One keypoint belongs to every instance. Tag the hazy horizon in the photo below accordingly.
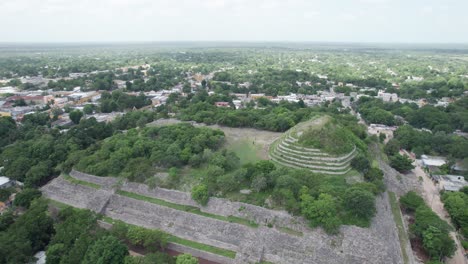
(261, 21)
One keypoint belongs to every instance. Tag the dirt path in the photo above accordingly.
(432, 197)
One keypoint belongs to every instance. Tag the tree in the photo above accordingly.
(360, 203)
(401, 163)
(153, 240)
(107, 249)
(411, 201)
(200, 194)
(322, 211)
(437, 243)
(259, 183)
(88, 109)
(186, 259)
(25, 197)
(75, 116)
(392, 147)
(360, 163)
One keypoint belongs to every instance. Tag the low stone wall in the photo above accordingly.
(103, 181)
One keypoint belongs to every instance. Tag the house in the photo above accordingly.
(452, 183)
(432, 161)
(460, 167)
(387, 97)
(222, 104)
(5, 182)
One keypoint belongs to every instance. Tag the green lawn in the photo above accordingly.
(203, 247)
(76, 181)
(187, 208)
(188, 243)
(246, 150)
(397, 217)
(58, 204)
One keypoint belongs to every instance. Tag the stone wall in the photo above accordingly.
(377, 244)
(218, 206)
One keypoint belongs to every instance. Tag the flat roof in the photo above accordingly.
(4, 180)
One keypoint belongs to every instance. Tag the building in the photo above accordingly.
(222, 104)
(432, 161)
(5, 182)
(451, 183)
(387, 97)
(460, 167)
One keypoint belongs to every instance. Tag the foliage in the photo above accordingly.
(152, 258)
(186, 259)
(439, 143)
(322, 211)
(30, 233)
(332, 137)
(134, 154)
(152, 240)
(119, 101)
(200, 194)
(75, 116)
(360, 202)
(401, 163)
(456, 204)
(26, 196)
(429, 228)
(411, 201)
(107, 249)
(437, 243)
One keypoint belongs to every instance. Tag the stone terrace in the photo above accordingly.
(378, 244)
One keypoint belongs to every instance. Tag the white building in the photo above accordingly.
(432, 161)
(5, 182)
(388, 97)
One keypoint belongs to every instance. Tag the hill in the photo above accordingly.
(322, 145)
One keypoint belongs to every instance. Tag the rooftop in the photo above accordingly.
(4, 180)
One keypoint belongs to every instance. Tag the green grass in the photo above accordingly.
(76, 181)
(188, 208)
(397, 217)
(215, 250)
(189, 243)
(245, 150)
(58, 204)
(290, 231)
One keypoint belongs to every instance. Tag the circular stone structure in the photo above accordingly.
(288, 151)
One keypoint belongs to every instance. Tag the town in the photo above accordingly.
(142, 153)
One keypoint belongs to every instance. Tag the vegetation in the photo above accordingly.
(398, 218)
(429, 229)
(200, 194)
(22, 236)
(134, 154)
(456, 204)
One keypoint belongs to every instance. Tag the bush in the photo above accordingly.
(186, 259)
(411, 201)
(360, 202)
(200, 194)
(25, 197)
(401, 163)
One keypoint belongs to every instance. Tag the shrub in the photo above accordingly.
(411, 201)
(200, 194)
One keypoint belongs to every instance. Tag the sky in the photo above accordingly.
(401, 21)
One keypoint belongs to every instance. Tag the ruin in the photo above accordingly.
(377, 244)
